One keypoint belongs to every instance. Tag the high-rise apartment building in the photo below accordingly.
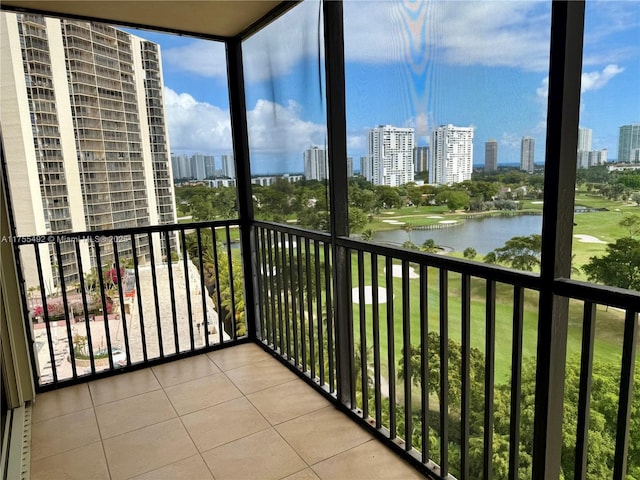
(390, 153)
(584, 139)
(451, 155)
(181, 165)
(629, 143)
(490, 155)
(315, 164)
(527, 151)
(421, 159)
(228, 166)
(87, 146)
(349, 167)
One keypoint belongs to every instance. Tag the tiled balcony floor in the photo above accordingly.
(231, 414)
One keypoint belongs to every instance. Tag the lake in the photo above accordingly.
(483, 234)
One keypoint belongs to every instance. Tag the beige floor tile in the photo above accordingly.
(64, 433)
(131, 413)
(192, 468)
(83, 463)
(264, 455)
(371, 460)
(147, 449)
(287, 401)
(239, 356)
(260, 375)
(201, 393)
(322, 434)
(223, 423)
(306, 474)
(60, 402)
(184, 370)
(123, 386)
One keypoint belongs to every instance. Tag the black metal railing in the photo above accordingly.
(130, 297)
(441, 361)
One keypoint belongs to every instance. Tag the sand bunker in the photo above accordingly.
(393, 222)
(538, 202)
(434, 216)
(368, 295)
(448, 221)
(397, 272)
(588, 239)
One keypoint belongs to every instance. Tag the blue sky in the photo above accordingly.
(481, 64)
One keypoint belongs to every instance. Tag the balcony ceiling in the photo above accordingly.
(215, 18)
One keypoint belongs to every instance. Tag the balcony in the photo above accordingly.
(198, 418)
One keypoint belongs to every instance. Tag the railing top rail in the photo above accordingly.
(475, 269)
(312, 235)
(600, 294)
(96, 234)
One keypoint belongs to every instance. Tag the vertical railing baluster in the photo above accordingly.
(293, 240)
(203, 288)
(316, 251)
(285, 240)
(312, 350)
(303, 339)
(391, 349)
(363, 336)
(277, 243)
(45, 313)
(85, 306)
(584, 399)
(327, 279)
(105, 314)
(489, 378)
(143, 337)
(516, 381)
(65, 305)
(232, 291)
(466, 375)
(216, 269)
(629, 344)
(265, 303)
(375, 310)
(125, 332)
(185, 266)
(154, 280)
(272, 289)
(174, 318)
(444, 373)
(406, 347)
(424, 359)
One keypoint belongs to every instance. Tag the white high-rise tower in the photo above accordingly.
(451, 159)
(82, 106)
(390, 156)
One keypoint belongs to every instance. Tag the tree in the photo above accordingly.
(409, 245)
(522, 253)
(490, 258)
(454, 199)
(620, 267)
(470, 253)
(632, 223)
(408, 228)
(429, 246)
(357, 220)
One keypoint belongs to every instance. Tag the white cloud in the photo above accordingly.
(511, 34)
(202, 57)
(415, 34)
(194, 125)
(596, 80)
(274, 128)
(590, 81)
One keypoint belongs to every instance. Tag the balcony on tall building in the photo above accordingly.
(247, 348)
